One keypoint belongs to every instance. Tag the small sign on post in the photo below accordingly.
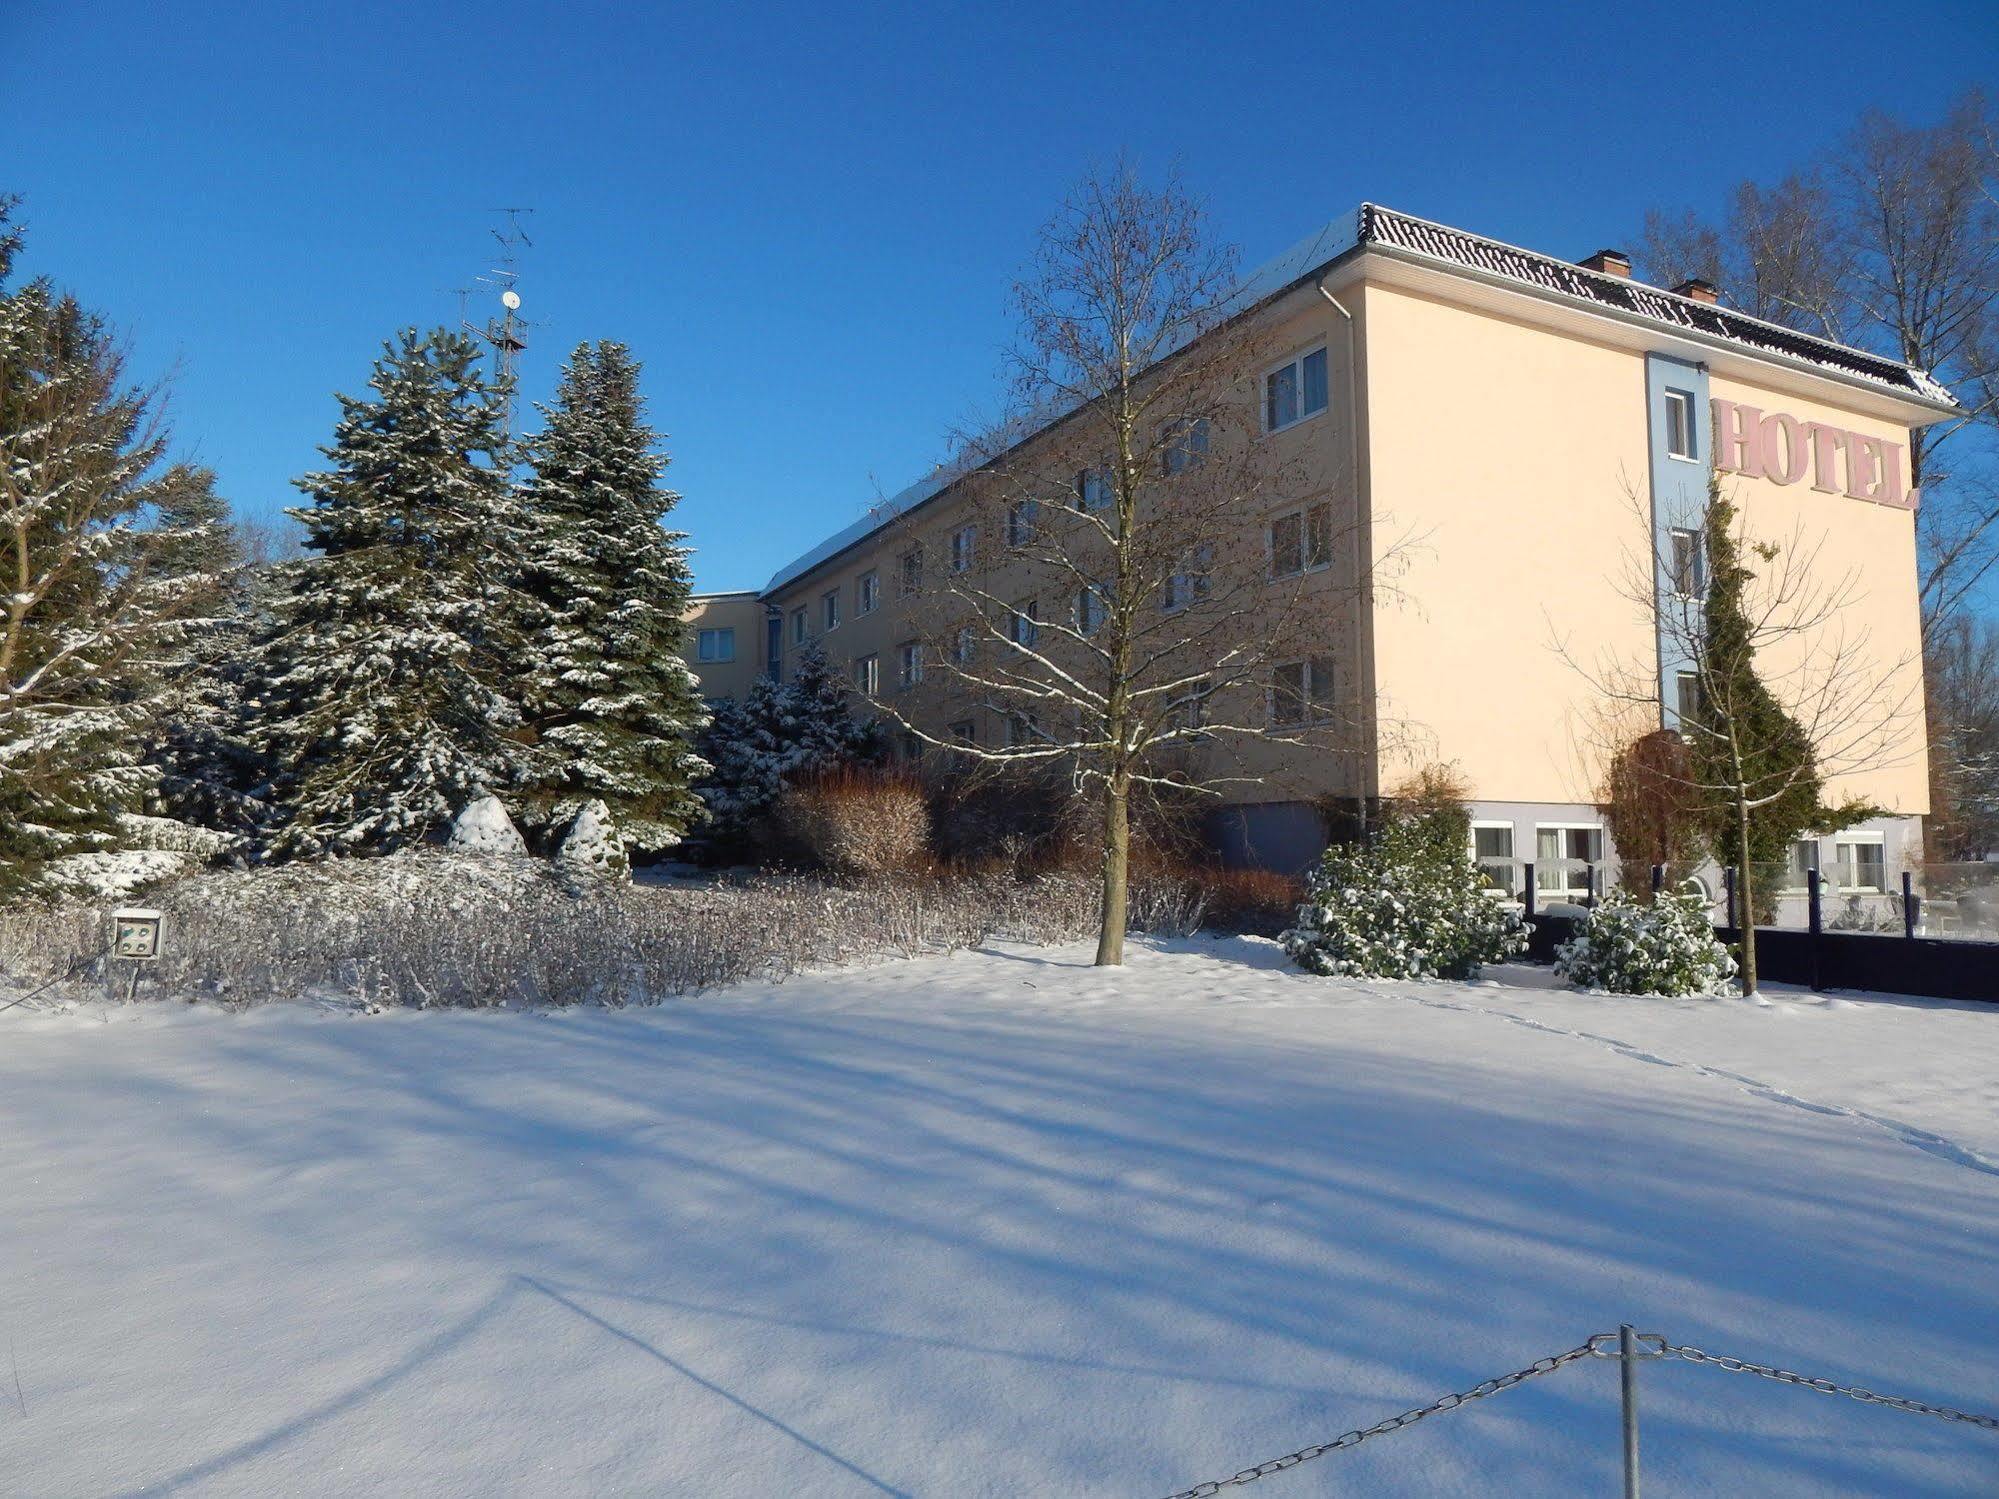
(135, 939)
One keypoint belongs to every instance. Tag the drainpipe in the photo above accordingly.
(1353, 454)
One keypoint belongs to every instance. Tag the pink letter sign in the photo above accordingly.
(1780, 448)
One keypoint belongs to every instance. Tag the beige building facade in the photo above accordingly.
(1504, 441)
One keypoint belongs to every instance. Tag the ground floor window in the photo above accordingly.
(1492, 850)
(1861, 860)
(1565, 855)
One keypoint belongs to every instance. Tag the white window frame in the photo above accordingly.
(1860, 839)
(1023, 522)
(909, 572)
(868, 675)
(1091, 610)
(1177, 455)
(1681, 681)
(1683, 402)
(1697, 557)
(965, 730)
(1315, 709)
(800, 626)
(1193, 582)
(867, 592)
(1803, 886)
(720, 636)
(909, 664)
(964, 645)
(1296, 363)
(829, 610)
(1094, 491)
(1023, 625)
(964, 548)
(1303, 514)
(1567, 891)
(1512, 856)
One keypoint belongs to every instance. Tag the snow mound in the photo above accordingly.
(483, 827)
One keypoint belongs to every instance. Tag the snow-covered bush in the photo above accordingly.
(1408, 903)
(482, 826)
(1667, 947)
(858, 822)
(591, 853)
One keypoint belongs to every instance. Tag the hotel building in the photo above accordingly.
(1530, 420)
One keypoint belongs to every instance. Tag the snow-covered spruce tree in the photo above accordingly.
(383, 697)
(92, 619)
(608, 700)
(779, 733)
(1407, 903)
(205, 772)
(1664, 946)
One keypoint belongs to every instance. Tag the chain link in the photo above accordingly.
(1649, 1345)
(1827, 1387)
(1354, 1438)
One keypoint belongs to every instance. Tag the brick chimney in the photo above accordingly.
(1698, 290)
(1609, 262)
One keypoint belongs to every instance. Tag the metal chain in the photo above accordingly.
(1827, 1387)
(1340, 1443)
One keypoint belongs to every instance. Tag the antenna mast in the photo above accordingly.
(506, 332)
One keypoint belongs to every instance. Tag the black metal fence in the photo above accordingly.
(1885, 962)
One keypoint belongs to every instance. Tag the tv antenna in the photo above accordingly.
(505, 333)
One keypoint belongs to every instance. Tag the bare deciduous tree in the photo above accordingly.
(1103, 597)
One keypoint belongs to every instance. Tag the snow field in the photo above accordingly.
(992, 1224)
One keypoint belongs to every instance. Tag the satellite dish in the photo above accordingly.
(510, 300)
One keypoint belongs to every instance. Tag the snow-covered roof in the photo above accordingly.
(1372, 225)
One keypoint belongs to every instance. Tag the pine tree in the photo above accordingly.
(96, 614)
(611, 705)
(381, 666)
(779, 733)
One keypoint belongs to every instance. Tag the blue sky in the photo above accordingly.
(804, 220)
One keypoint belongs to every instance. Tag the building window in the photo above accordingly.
(1492, 851)
(1687, 696)
(1024, 625)
(1191, 582)
(868, 675)
(1301, 541)
(1803, 859)
(829, 609)
(1679, 424)
(798, 627)
(1861, 860)
(1189, 715)
(1093, 490)
(1185, 443)
(1301, 692)
(909, 571)
(867, 593)
(1090, 609)
(774, 645)
(1294, 391)
(965, 731)
(909, 663)
(1686, 563)
(964, 645)
(1021, 729)
(964, 544)
(1566, 856)
(1023, 519)
(715, 645)
(912, 745)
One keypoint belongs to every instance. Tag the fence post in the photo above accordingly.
(1658, 878)
(1728, 880)
(1912, 905)
(1589, 884)
(1527, 895)
(1627, 1352)
(1814, 912)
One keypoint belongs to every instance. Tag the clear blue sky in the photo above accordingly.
(804, 219)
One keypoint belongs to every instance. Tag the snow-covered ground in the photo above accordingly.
(993, 1224)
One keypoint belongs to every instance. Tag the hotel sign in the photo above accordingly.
(1778, 447)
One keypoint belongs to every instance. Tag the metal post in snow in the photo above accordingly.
(1627, 1353)
(1658, 878)
(1528, 893)
(1589, 884)
(1728, 879)
(1912, 905)
(1814, 913)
